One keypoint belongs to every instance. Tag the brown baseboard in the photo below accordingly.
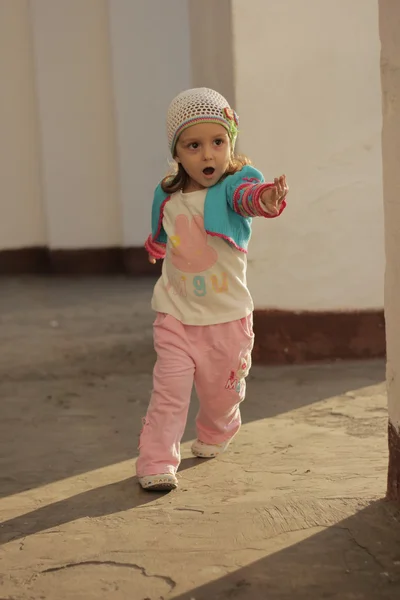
(24, 261)
(86, 261)
(285, 337)
(282, 337)
(136, 263)
(393, 488)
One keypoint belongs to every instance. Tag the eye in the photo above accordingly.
(218, 142)
(193, 145)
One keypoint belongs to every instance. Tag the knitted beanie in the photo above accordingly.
(199, 105)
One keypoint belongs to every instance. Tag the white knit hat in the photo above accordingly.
(199, 105)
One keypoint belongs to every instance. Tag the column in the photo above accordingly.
(74, 88)
(22, 222)
(308, 95)
(212, 46)
(389, 17)
(150, 65)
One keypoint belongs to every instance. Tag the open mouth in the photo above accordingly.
(209, 171)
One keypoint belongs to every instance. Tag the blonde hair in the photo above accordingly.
(177, 179)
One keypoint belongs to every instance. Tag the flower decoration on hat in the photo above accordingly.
(231, 115)
(233, 122)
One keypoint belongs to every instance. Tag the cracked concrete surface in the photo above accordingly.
(295, 509)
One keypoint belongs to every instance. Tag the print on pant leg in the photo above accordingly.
(236, 380)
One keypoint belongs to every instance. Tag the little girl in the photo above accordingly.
(203, 333)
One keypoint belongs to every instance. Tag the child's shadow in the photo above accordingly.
(98, 502)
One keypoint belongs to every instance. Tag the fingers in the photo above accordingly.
(284, 185)
(281, 186)
(273, 199)
(152, 260)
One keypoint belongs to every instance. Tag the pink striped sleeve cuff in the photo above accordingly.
(155, 249)
(247, 200)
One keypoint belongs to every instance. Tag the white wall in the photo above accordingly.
(78, 141)
(308, 95)
(22, 221)
(151, 64)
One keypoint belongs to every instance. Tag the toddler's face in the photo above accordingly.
(204, 151)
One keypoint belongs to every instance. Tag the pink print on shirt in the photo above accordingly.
(191, 252)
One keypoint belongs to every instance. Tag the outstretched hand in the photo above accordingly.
(273, 197)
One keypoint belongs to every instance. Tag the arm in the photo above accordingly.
(273, 199)
(252, 197)
(156, 250)
(156, 242)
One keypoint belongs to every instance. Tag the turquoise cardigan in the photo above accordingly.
(220, 218)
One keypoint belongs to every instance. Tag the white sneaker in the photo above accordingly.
(164, 482)
(202, 450)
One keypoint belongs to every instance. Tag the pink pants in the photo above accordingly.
(216, 358)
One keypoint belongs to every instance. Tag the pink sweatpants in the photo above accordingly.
(216, 359)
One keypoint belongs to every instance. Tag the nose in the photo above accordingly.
(207, 152)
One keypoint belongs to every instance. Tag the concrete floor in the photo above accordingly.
(294, 510)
